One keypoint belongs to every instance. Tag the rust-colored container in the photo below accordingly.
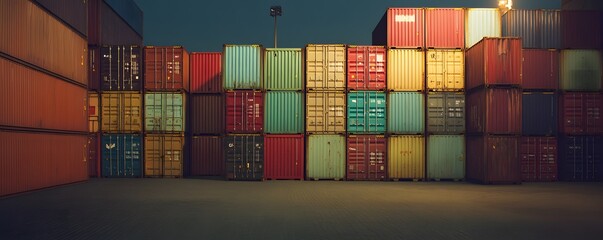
(74, 13)
(367, 67)
(244, 111)
(207, 114)
(493, 159)
(493, 61)
(284, 157)
(94, 144)
(581, 113)
(367, 157)
(494, 111)
(581, 29)
(166, 68)
(538, 159)
(401, 28)
(540, 70)
(207, 156)
(39, 160)
(33, 99)
(206, 72)
(163, 155)
(105, 26)
(445, 28)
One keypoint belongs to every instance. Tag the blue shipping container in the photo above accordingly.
(121, 155)
(537, 28)
(366, 112)
(539, 114)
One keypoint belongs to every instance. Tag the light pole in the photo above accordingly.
(274, 12)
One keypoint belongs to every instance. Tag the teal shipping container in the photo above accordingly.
(242, 67)
(283, 69)
(581, 70)
(284, 112)
(446, 157)
(164, 112)
(366, 112)
(325, 157)
(406, 113)
(121, 155)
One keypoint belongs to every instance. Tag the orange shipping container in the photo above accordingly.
(166, 68)
(163, 155)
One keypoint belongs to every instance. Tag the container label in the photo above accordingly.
(405, 18)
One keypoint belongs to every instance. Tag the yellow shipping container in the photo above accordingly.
(406, 157)
(325, 112)
(405, 69)
(121, 112)
(93, 116)
(326, 67)
(163, 155)
(445, 69)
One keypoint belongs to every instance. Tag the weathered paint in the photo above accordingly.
(164, 112)
(406, 113)
(405, 70)
(446, 157)
(494, 111)
(242, 67)
(540, 70)
(581, 70)
(325, 157)
(325, 67)
(284, 156)
(493, 159)
(480, 23)
(244, 156)
(538, 159)
(366, 157)
(537, 28)
(121, 155)
(325, 112)
(121, 112)
(446, 113)
(366, 112)
(163, 155)
(445, 70)
(406, 157)
(493, 61)
(283, 69)
(284, 112)
(367, 68)
(444, 28)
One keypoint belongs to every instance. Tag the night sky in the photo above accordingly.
(201, 25)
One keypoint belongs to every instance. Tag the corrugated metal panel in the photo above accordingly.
(406, 157)
(538, 156)
(105, 26)
(121, 68)
(540, 69)
(446, 113)
(206, 72)
(493, 159)
(494, 111)
(73, 13)
(539, 113)
(366, 112)
(446, 157)
(406, 113)
(581, 70)
(401, 28)
(38, 38)
(244, 157)
(550, 29)
(93, 112)
(325, 112)
(493, 61)
(94, 152)
(581, 113)
(480, 23)
(283, 69)
(244, 112)
(444, 28)
(405, 70)
(94, 57)
(325, 67)
(525, 24)
(121, 155)
(326, 157)
(163, 155)
(285, 156)
(121, 112)
(367, 157)
(39, 160)
(582, 29)
(242, 68)
(166, 68)
(207, 156)
(366, 68)
(581, 158)
(445, 70)
(164, 112)
(129, 11)
(207, 114)
(284, 112)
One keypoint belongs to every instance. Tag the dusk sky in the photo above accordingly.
(201, 25)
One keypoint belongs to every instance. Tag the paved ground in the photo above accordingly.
(210, 209)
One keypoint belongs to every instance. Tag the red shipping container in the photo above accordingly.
(493, 159)
(581, 113)
(207, 114)
(166, 68)
(367, 157)
(494, 111)
(284, 157)
(493, 61)
(207, 156)
(206, 72)
(106, 27)
(39, 160)
(445, 27)
(581, 29)
(540, 70)
(401, 28)
(94, 155)
(538, 159)
(244, 111)
(366, 68)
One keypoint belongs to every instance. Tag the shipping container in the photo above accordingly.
(539, 113)
(244, 111)
(164, 112)
(163, 155)
(121, 112)
(445, 70)
(283, 69)
(540, 70)
(93, 112)
(325, 112)
(538, 159)
(121, 68)
(445, 28)
(34, 99)
(38, 160)
(406, 157)
(581, 113)
(244, 156)
(325, 157)
(582, 29)
(493, 61)
(72, 13)
(581, 158)
(446, 157)
(581, 70)
(242, 67)
(129, 11)
(39, 39)
(94, 61)
(480, 23)
(325, 67)
(121, 155)
(94, 155)
(207, 114)
(406, 113)
(366, 112)
(207, 156)
(550, 29)
(493, 159)
(405, 70)
(536, 28)
(285, 155)
(494, 111)
(367, 157)
(206, 72)
(401, 28)
(108, 25)
(284, 113)
(367, 68)
(446, 113)
(166, 68)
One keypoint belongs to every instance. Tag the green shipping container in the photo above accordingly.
(164, 112)
(242, 67)
(366, 112)
(283, 69)
(284, 112)
(326, 157)
(581, 70)
(406, 113)
(446, 157)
